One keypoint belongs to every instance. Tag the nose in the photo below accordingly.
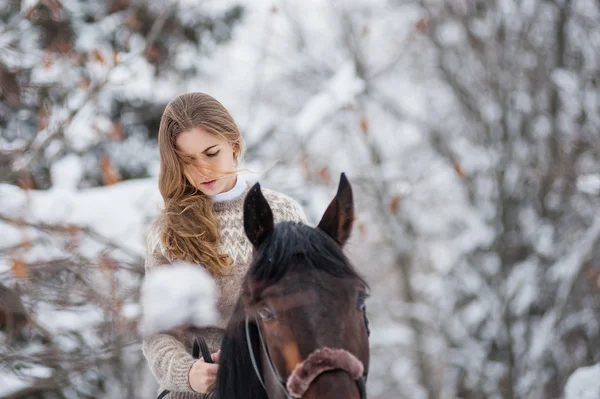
(204, 170)
(334, 384)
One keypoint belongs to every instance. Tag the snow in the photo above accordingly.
(451, 34)
(291, 67)
(60, 321)
(11, 383)
(181, 293)
(391, 335)
(93, 208)
(26, 5)
(543, 336)
(566, 268)
(339, 91)
(522, 286)
(584, 383)
(66, 172)
(566, 80)
(589, 184)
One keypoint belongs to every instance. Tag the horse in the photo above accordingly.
(299, 328)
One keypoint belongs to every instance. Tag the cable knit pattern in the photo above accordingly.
(169, 358)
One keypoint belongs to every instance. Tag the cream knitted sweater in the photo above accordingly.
(169, 356)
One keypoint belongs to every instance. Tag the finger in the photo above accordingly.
(216, 356)
(211, 369)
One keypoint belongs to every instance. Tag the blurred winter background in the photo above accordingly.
(468, 128)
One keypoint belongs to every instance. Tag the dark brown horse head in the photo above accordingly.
(301, 315)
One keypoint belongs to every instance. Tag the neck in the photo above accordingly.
(232, 197)
(231, 182)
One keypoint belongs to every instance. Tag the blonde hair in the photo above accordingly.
(188, 225)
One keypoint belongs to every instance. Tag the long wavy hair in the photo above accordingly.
(188, 225)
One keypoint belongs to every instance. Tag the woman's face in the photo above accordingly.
(209, 157)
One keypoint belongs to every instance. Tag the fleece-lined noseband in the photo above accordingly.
(321, 360)
(318, 362)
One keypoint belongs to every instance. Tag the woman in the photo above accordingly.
(202, 222)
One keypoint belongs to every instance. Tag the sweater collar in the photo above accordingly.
(233, 198)
(237, 190)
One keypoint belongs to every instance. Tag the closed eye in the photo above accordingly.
(214, 154)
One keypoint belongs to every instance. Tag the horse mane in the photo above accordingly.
(290, 247)
(236, 378)
(294, 247)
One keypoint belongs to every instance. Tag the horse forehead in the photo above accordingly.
(307, 299)
(294, 299)
(313, 283)
(314, 277)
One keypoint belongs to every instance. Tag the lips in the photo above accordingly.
(208, 184)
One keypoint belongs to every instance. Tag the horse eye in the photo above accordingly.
(360, 301)
(266, 314)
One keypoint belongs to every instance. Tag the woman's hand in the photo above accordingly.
(202, 375)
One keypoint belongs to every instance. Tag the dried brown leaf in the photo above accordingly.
(19, 268)
(395, 204)
(110, 175)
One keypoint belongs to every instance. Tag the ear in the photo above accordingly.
(258, 217)
(337, 219)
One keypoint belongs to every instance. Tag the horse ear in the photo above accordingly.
(258, 217)
(339, 216)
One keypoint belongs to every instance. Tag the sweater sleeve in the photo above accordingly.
(169, 362)
(168, 359)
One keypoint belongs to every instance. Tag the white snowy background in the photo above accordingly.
(469, 130)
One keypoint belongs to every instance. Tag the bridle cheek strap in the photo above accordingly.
(321, 360)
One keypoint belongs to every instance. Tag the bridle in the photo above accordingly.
(361, 381)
